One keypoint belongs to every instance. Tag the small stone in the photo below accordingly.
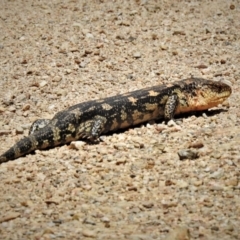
(26, 107)
(161, 127)
(77, 145)
(89, 233)
(77, 25)
(99, 45)
(182, 184)
(125, 23)
(19, 130)
(121, 161)
(105, 219)
(87, 187)
(89, 35)
(187, 154)
(12, 109)
(201, 66)
(55, 200)
(214, 186)
(9, 216)
(207, 203)
(223, 61)
(218, 74)
(154, 36)
(48, 230)
(207, 30)
(168, 204)
(8, 99)
(174, 52)
(137, 55)
(215, 228)
(163, 47)
(83, 64)
(43, 83)
(232, 182)
(169, 183)
(25, 114)
(68, 71)
(179, 32)
(22, 97)
(74, 49)
(197, 183)
(133, 12)
(217, 174)
(2, 109)
(175, 128)
(180, 233)
(57, 79)
(197, 144)
(132, 188)
(206, 151)
(171, 123)
(89, 221)
(120, 146)
(27, 203)
(148, 204)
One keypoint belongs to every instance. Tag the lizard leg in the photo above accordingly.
(98, 126)
(38, 124)
(93, 128)
(171, 106)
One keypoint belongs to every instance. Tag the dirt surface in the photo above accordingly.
(54, 54)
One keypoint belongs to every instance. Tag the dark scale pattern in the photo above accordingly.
(91, 119)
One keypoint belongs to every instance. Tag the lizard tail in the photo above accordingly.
(24, 146)
(40, 139)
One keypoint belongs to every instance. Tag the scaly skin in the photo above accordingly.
(91, 119)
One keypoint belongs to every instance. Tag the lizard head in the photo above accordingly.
(213, 93)
(200, 94)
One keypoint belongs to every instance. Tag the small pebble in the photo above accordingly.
(12, 109)
(105, 219)
(26, 107)
(232, 182)
(137, 55)
(89, 233)
(171, 123)
(77, 145)
(180, 233)
(9, 216)
(19, 130)
(197, 144)
(182, 184)
(187, 154)
(43, 83)
(148, 204)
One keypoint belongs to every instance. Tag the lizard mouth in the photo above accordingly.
(222, 92)
(226, 82)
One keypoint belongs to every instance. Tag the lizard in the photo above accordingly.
(88, 120)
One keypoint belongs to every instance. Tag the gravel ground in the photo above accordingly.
(132, 185)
